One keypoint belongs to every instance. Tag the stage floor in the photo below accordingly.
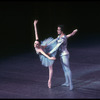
(22, 76)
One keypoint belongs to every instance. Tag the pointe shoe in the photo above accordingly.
(71, 87)
(49, 84)
(65, 84)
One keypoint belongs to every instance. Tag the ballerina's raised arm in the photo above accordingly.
(37, 44)
(36, 35)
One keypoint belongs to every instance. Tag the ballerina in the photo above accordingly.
(42, 50)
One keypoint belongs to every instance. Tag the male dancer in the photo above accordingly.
(64, 54)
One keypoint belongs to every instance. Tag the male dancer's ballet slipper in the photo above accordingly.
(65, 84)
(71, 87)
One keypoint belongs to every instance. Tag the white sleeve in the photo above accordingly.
(57, 46)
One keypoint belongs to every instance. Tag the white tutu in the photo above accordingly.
(44, 60)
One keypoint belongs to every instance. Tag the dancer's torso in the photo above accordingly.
(63, 47)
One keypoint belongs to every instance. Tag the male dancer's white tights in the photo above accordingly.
(67, 72)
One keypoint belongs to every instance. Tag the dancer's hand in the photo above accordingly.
(48, 54)
(52, 58)
(75, 30)
(35, 22)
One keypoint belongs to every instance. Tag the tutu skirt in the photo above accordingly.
(44, 60)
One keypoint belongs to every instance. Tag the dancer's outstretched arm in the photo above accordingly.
(42, 52)
(71, 34)
(35, 28)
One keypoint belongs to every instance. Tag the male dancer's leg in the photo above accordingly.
(65, 74)
(67, 71)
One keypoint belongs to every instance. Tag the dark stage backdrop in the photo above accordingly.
(16, 23)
